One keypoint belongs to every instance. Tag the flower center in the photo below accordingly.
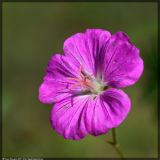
(87, 82)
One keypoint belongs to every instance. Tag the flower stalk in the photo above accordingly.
(115, 144)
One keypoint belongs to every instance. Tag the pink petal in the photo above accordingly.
(56, 83)
(52, 91)
(67, 117)
(122, 64)
(107, 111)
(117, 105)
(85, 48)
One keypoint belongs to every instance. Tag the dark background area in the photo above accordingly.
(32, 32)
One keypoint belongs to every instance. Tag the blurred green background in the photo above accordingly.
(32, 32)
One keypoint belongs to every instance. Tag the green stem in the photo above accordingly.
(115, 143)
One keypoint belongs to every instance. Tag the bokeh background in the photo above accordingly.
(32, 32)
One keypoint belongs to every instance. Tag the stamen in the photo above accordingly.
(72, 78)
(72, 86)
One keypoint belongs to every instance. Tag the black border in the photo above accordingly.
(158, 62)
(1, 78)
(80, 1)
(158, 80)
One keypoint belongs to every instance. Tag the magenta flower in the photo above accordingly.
(84, 83)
